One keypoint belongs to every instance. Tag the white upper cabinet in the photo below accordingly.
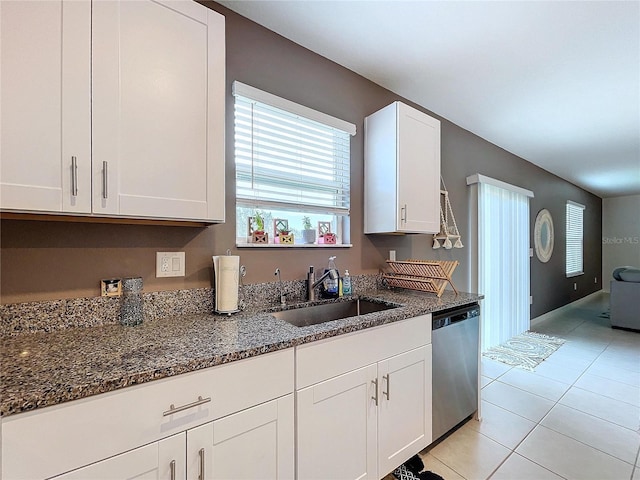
(401, 171)
(45, 98)
(113, 108)
(158, 110)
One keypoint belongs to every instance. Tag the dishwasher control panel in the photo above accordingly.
(449, 317)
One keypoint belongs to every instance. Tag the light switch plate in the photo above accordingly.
(170, 264)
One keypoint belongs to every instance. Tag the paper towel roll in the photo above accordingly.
(227, 273)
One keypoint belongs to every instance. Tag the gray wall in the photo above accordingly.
(620, 235)
(44, 260)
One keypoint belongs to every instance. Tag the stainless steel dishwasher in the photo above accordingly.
(455, 366)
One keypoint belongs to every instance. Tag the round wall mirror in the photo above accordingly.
(543, 235)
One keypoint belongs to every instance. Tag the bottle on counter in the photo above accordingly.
(131, 302)
(330, 287)
(346, 284)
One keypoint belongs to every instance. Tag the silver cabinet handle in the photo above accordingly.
(386, 394)
(375, 384)
(105, 181)
(201, 474)
(172, 469)
(173, 409)
(74, 176)
(403, 214)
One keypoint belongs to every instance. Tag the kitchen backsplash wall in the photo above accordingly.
(51, 315)
(55, 260)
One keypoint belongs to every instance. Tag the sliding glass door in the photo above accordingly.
(503, 260)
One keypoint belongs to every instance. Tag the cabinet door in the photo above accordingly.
(256, 443)
(163, 460)
(418, 171)
(45, 139)
(404, 414)
(199, 452)
(337, 430)
(158, 109)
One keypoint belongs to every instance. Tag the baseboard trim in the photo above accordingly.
(553, 313)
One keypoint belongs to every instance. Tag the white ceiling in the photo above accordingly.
(554, 82)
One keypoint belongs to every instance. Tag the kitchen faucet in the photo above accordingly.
(283, 300)
(312, 283)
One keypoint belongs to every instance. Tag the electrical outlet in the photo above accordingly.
(575, 286)
(595, 280)
(531, 300)
(170, 264)
(392, 255)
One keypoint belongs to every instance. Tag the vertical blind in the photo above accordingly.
(287, 161)
(574, 254)
(503, 251)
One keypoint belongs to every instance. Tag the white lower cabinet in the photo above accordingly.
(364, 423)
(362, 407)
(255, 443)
(232, 421)
(337, 430)
(163, 460)
(404, 412)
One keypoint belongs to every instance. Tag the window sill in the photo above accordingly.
(574, 274)
(295, 245)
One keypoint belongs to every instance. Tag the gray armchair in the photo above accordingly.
(625, 298)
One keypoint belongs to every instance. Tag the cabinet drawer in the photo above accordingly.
(319, 361)
(77, 433)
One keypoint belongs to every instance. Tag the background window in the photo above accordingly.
(575, 213)
(291, 162)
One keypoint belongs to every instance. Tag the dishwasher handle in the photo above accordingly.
(458, 317)
(450, 317)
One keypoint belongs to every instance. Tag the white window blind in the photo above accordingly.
(503, 260)
(575, 213)
(288, 161)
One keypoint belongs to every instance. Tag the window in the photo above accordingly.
(291, 162)
(574, 239)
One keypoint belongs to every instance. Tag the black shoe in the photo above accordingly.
(414, 464)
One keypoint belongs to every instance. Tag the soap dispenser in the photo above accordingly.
(330, 286)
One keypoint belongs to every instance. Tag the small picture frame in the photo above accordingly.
(324, 227)
(111, 287)
(280, 225)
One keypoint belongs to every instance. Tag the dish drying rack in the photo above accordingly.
(425, 276)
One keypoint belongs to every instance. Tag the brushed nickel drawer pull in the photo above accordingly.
(74, 176)
(172, 468)
(387, 393)
(375, 384)
(201, 475)
(173, 409)
(105, 180)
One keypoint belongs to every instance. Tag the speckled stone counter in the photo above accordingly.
(46, 368)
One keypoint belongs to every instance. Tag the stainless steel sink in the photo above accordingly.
(305, 316)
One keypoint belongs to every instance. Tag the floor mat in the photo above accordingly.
(525, 351)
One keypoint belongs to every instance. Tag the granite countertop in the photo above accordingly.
(48, 368)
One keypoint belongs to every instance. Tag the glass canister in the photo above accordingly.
(131, 313)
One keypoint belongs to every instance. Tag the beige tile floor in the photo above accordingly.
(577, 416)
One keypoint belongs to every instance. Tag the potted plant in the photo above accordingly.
(285, 236)
(325, 236)
(259, 235)
(308, 232)
(281, 231)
